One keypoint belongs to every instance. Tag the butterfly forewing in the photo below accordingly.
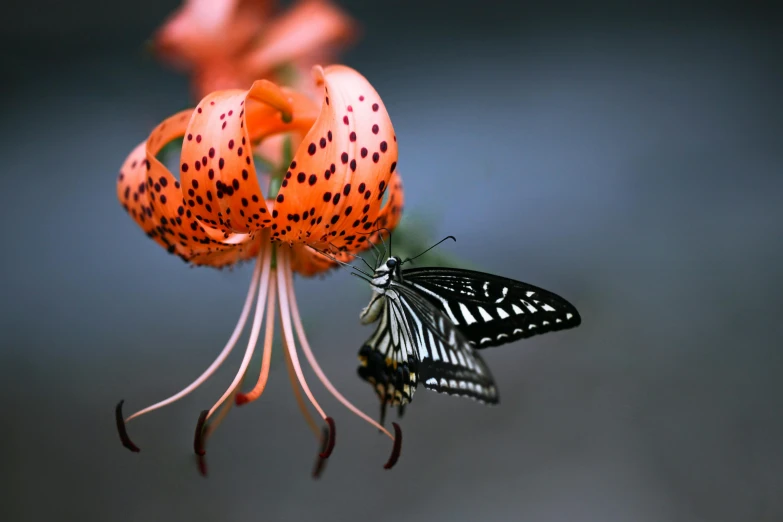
(490, 310)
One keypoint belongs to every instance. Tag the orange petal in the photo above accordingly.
(204, 30)
(308, 262)
(391, 213)
(154, 198)
(308, 28)
(217, 172)
(333, 190)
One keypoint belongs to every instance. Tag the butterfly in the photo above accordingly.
(432, 323)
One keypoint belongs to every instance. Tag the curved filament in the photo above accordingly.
(314, 363)
(220, 358)
(258, 389)
(283, 265)
(254, 332)
(298, 393)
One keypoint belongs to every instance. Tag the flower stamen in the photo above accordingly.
(122, 431)
(283, 266)
(298, 393)
(266, 261)
(327, 445)
(121, 424)
(397, 438)
(266, 358)
(198, 439)
(397, 449)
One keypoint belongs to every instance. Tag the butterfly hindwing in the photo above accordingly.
(388, 361)
(414, 342)
(447, 362)
(491, 310)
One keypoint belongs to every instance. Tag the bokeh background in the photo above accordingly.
(627, 157)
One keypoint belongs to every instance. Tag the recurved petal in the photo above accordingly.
(307, 262)
(217, 172)
(342, 168)
(152, 195)
(391, 213)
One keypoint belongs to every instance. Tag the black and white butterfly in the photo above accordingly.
(433, 321)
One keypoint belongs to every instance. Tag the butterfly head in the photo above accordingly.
(386, 272)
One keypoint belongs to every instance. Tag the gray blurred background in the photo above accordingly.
(628, 158)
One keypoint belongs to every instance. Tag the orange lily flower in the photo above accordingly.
(229, 43)
(330, 205)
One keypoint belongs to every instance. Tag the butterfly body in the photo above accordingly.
(433, 321)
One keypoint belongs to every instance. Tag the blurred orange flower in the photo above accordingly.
(323, 206)
(228, 44)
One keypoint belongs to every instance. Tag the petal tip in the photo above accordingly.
(318, 75)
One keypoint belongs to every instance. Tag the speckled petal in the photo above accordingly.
(342, 168)
(217, 171)
(391, 213)
(155, 197)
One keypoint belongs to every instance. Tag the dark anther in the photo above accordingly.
(320, 462)
(198, 440)
(329, 435)
(122, 431)
(202, 465)
(319, 467)
(397, 447)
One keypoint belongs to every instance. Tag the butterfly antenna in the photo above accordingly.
(360, 258)
(343, 263)
(378, 254)
(430, 248)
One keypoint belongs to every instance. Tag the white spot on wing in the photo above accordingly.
(502, 313)
(469, 319)
(484, 314)
(547, 308)
(517, 310)
(529, 306)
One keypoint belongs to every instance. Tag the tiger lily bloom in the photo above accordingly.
(227, 44)
(339, 190)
